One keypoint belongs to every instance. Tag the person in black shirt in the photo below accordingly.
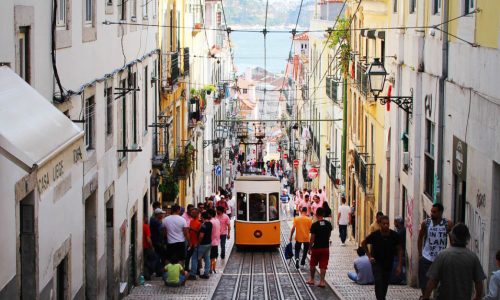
(320, 247)
(385, 245)
(205, 239)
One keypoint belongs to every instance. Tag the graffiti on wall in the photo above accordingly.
(477, 227)
(480, 199)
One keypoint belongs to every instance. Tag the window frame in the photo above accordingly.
(109, 109)
(24, 53)
(133, 10)
(61, 7)
(122, 13)
(244, 215)
(135, 127)
(412, 6)
(123, 111)
(436, 7)
(263, 218)
(468, 6)
(89, 11)
(145, 99)
(89, 123)
(394, 6)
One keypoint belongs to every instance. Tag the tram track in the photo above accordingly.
(257, 274)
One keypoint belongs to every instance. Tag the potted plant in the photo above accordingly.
(184, 162)
(209, 88)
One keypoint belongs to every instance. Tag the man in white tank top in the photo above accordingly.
(432, 239)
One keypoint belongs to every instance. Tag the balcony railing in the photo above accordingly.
(331, 169)
(170, 69)
(332, 88)
(364, 171)
(186, 61)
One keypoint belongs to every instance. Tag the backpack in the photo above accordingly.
(289, 251)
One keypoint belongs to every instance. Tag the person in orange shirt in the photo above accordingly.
(194, 228)
(302, 226)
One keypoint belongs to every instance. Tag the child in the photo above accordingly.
(174, 273)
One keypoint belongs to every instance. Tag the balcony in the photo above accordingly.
(364, 171)
(170, 69)
(186, 61)
(331, 169)
(332, 88)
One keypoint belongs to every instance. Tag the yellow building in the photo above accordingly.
(366, 157)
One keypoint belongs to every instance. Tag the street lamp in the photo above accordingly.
(376, 79)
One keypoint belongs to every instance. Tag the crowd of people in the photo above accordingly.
(184, 244)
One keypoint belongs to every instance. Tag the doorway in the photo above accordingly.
(61, 283)
(110, 250)
(459, 193)
(91, 247)
(133, 250)
(27, 247)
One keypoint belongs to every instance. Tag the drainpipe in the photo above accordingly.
(442, 82)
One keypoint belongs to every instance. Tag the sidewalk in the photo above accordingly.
(199, 289)
(341, 262)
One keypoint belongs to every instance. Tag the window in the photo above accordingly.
(89, 15)
(469, 6)
(145, 8)
(154, 8)
(123, 116)
(412, 6)
(134, 108)
(133, 9)
(123, 9)
(257, 207)
(24, 60)
(61, 13)
(273, 207)
(429, 158)
(89, 123)
(436, 7)
(245, 91)
(241, 206)
(145, 119)
(109, 110)
(109, 2)
(394, 6)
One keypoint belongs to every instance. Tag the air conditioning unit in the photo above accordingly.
(406, 158)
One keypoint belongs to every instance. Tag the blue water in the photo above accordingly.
(249, 50)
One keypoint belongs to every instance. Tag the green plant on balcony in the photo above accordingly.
(168, 185)
(184, 165)
(341, 37)
(209, 88)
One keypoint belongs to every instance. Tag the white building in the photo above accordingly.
(87, 242)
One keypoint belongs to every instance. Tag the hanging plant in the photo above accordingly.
(209, 88)
(168, 185)
(341, 37)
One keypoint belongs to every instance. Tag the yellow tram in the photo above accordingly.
(257, 211)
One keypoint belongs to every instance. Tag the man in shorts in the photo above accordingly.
(177, 232)
(321, 231)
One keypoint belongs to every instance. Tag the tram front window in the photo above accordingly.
(241, 202)
(273, 207)
(257, 207)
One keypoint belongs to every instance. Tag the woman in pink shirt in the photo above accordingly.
(225, 230)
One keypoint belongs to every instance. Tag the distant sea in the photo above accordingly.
(249, 50)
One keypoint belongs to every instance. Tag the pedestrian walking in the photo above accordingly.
(321, 231)
(432, 239)
(225, 230)
(302, 227)
(343, 220)
(456, 270)
(284, 199)
(214, 251)
(385, 245)
(494, 286)
(376, 224)
(205, 244)
(155, 225)
(176, 230)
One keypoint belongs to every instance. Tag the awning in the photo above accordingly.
(32, 130)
